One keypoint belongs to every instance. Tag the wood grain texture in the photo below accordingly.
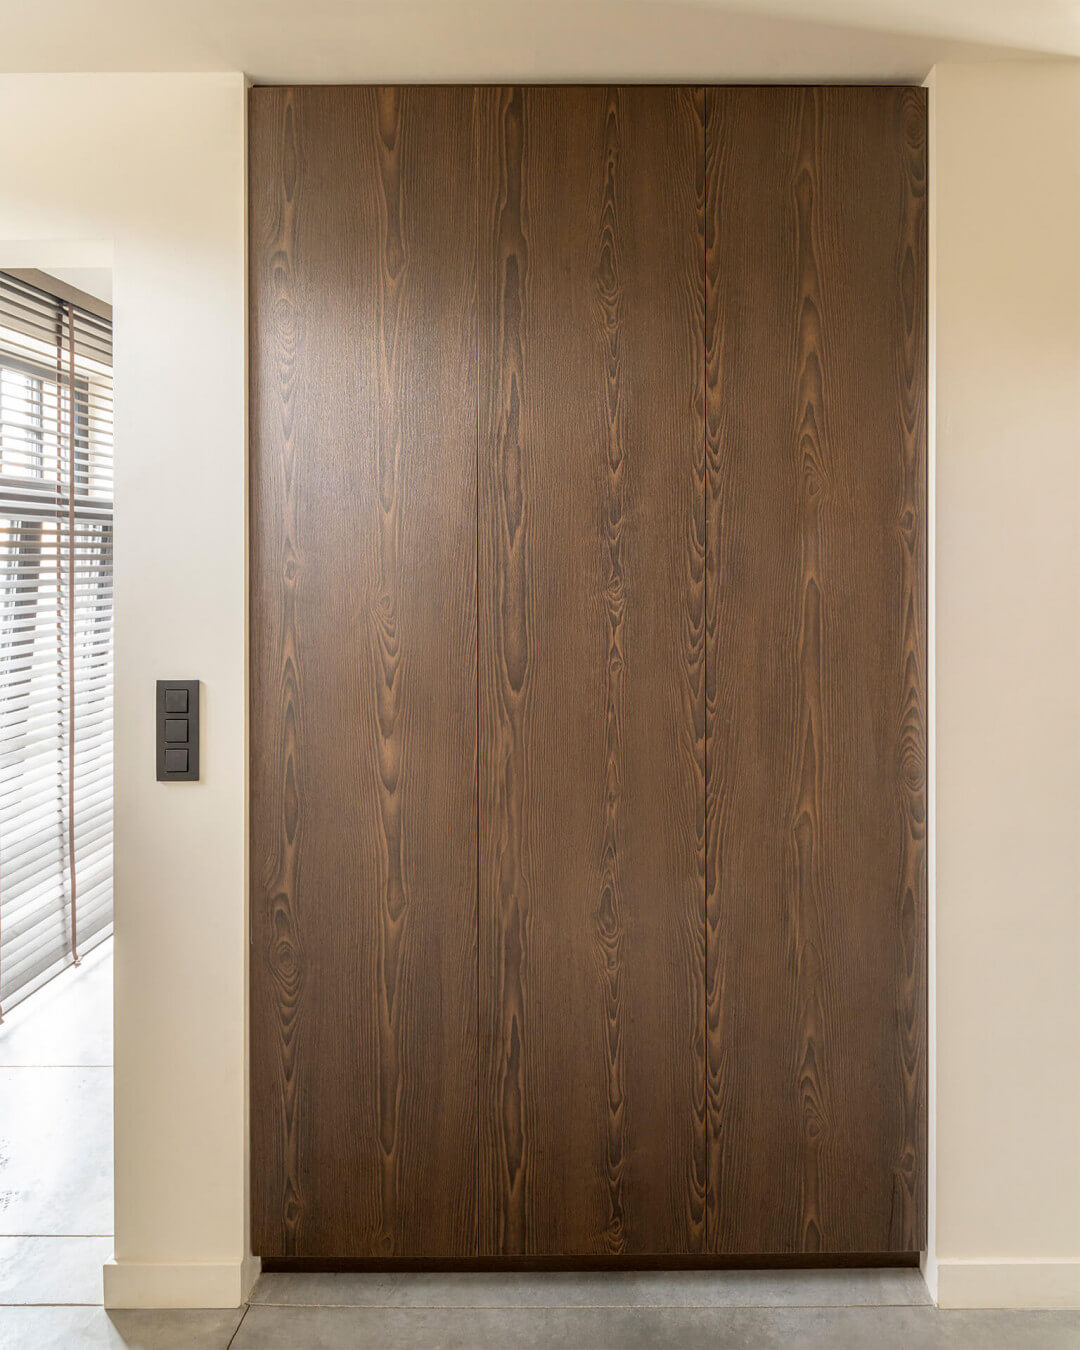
(628, 387)
(816, 668)
(591, 671)
(363, 688)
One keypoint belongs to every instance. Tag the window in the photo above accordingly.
(56, 562)
(22, 419)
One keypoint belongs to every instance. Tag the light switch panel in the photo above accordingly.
(177, 737)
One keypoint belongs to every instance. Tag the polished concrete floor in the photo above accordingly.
(654, 1312)
(56, 1221)
(56, 1187)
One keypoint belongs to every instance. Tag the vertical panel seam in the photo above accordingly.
(477, 104)
(705, 645)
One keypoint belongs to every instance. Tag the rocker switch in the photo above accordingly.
(176, 700)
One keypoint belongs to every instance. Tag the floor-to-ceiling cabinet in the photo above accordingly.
(587, 672)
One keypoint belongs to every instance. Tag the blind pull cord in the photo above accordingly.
(71, 628)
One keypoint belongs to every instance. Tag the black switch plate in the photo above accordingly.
(177, 737)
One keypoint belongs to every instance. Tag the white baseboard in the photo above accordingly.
(133, 1284)
(928, 1267)
(250, 1270)
(1008, 1284)
(957, 1284)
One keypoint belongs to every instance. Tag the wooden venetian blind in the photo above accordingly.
(56, 566)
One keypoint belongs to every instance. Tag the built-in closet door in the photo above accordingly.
(816, 657)
(591, 671)
(588, 659)
(363, 672)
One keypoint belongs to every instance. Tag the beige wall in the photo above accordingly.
(1006, 265)
(150, 170)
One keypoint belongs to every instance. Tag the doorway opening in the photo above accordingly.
(56, 783)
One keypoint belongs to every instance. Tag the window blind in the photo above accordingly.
(56, 567)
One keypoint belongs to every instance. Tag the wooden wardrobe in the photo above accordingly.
(588, 665)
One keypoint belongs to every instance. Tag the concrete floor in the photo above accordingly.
(56, 1224)
(56, 1175)
(419, 1313)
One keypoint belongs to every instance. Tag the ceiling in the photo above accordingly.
(477, 40)
(95, 281)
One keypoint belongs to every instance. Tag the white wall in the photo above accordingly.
(150, 170)
(1006, 185)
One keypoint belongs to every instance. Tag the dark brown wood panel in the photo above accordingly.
(363, 660)
(591, 671)
(816, 656)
